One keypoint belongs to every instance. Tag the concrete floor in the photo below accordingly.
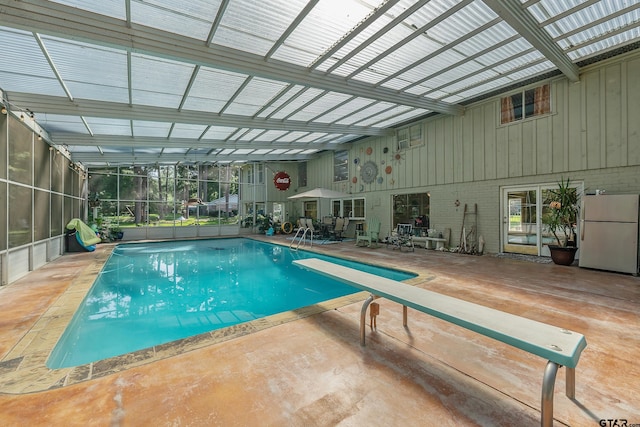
(308, 369)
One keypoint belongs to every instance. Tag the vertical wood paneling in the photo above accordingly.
(614, 151)
(544, 145)
(633, 111)
(477, 139)
(449, 158)
(431, 154)
(466, 148)
(529, 154)
(490, 141)
(441, 163)
(592, 91)
(514, 141)
(574, 147)
(502, 152)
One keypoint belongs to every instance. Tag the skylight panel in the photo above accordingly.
(270, 135)
(297, 103)
(212, 89)
(219, 132)
(186, 130)
(151, 129)
(345, 110)
(191, 18)
(61, 123)
(115, 9)
(255, 26)
(257, 93)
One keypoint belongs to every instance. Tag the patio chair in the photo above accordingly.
(314, 233)
(402, 237)
(338, 228)
(370, 234)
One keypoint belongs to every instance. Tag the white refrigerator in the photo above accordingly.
(609, 233)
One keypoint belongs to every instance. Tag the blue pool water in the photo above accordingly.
(152, 293)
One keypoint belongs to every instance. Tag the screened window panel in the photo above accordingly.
(20, 221)
(57, 228)
(42, 165)
(42, 212)
(4, 122)
(20, 153)
(68, 210)
(3, 216)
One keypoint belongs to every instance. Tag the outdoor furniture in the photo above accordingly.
(370, 234)
(339, 228)
(402, 237)
(559, 346)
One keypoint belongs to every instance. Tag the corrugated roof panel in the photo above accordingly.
(326, 24)
(609, 43)
(23, 66)
(252, 134)
(191, 18)
(61, 123)
(320, 106)
(385, 116)
(155, 129)
(355, 117)
(262, 151)
(186, 130)
(344, 110)
(219, 132)
(430, 67)
(402, 118)
(212, 89)
(90, 71)
(305, 97)
(258, 92)
(281, 97)
(255, 26)
(365, 34)
(244, 151)
(312, 137)
(105, 126)
(157, 81)
(270, 135)
(292, 136)
(114, 9)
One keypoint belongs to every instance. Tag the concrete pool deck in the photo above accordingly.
(307, 367)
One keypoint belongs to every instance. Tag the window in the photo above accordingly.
(340, 165)
(526, 104)
(411, 209)
(350, 208)
(410, 136)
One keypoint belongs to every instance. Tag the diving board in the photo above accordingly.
(559, 346)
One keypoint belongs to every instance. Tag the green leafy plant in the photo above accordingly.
(562, 216)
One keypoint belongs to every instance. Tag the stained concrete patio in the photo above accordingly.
(306, 368)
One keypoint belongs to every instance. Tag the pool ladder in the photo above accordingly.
(300, 238)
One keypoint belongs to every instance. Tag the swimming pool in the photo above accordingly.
(153, 293)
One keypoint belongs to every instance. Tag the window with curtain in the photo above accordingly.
(526, 104)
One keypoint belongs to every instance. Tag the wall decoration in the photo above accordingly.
(369, 172)
(388, 170)
(369, 151)
(356, 161)
(380, 179)
(385, 150)
(354, 179)
(282, 181)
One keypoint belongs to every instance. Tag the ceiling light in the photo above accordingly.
(4, 110)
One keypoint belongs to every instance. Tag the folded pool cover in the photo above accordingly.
(85, 235)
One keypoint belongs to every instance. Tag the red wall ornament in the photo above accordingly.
(282, 181)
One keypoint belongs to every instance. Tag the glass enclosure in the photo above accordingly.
(182, 195)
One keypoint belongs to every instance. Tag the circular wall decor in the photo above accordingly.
(356, 160)
(388, 170)
(380, 180)
(369, 150)
(368, 172)
(385, 150)
(354, 179)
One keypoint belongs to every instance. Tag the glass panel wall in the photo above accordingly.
(182, 195)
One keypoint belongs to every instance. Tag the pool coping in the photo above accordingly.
(23, 369)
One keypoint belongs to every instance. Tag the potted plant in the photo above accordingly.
(561, 220)
(116, 232)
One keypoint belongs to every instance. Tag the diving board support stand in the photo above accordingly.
(559, 346)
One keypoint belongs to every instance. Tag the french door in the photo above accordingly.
(523, 208)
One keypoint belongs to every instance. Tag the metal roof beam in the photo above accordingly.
(115, 110)
(152, 159)
(524, 23)
(64, 138)
(77, 24)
